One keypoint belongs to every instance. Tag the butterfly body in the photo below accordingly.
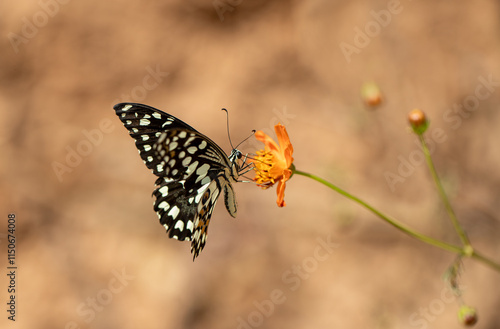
(192, 171)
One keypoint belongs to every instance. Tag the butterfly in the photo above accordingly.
(193, 171)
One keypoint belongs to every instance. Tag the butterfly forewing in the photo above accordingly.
(182, 153)
(145, 125)
(192, 171)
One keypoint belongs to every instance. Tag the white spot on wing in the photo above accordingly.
(203, 144)
(164, 205)
(163, 190)
(172, 145)
(126, 107)
(179, 225)
(204, 179)
(150, 158)
(157, 115)
(161, 138)
(186, 161)
(202, 171)
(147, 148)
(144, 122)
(192, 149)
(200, 192)
(192, 167)
(174, 212)
(145, 137)
(190, 225)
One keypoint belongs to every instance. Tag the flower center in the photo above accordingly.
(264, 162)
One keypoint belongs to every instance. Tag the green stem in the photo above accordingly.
(485, 260)
(465, 251)
(391, 221)
(442, 194)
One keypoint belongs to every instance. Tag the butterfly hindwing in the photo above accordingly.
(185, 213)
(175, 208)
(208, 199)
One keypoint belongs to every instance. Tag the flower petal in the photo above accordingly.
(273, 165)
(285, 145)
(269, 144)
(283, 138)
(280, 189)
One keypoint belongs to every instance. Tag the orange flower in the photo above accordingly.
(274, 163)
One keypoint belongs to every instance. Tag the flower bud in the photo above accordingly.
(418, 121)
(371, 94)
(467, 315)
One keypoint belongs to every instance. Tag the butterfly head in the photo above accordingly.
(234, 158)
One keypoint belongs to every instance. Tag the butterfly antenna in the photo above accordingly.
(243, 141)
(229, 136)
(227, 125)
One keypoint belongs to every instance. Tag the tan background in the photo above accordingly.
(265, 61)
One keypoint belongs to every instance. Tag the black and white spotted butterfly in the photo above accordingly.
(192, 171)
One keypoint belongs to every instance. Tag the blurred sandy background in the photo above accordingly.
(91, 253)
